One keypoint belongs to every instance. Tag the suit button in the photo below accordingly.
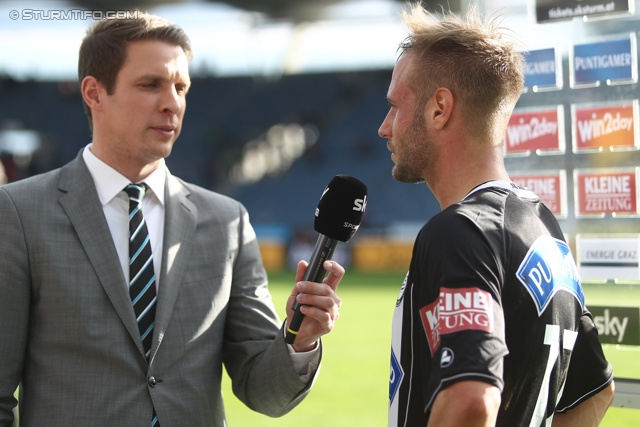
(152, 381)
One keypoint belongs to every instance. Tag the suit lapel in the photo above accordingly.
(179, 230)
(82, 205)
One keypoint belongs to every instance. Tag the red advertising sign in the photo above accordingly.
(602, 192)
(537, 131)
(610, 127)
(549, 187)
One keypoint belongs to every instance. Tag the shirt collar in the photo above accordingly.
(109, 182)
(523, 193)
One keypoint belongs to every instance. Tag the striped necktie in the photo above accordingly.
(142, 279)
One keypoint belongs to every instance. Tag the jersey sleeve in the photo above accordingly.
(459, 304)
(589, 371)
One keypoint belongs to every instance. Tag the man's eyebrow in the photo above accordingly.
(154, 77)
(160, 78)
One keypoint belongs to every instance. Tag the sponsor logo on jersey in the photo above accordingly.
(396, 376)
(447, 357)
(457, 309)
(548, 268)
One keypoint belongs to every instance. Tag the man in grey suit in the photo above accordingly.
(72, 332)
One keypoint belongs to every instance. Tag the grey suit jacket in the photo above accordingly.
(69, 335)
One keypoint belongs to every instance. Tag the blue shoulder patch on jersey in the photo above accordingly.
(548, 268)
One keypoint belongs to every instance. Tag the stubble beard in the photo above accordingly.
(418, 155)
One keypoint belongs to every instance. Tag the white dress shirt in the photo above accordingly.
(110, 185)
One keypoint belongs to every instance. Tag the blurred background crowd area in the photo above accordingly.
(269, 136)
(272, 144)
(285, 95)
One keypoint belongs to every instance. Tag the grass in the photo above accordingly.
(352, 386)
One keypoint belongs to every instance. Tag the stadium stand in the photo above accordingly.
(224, 114)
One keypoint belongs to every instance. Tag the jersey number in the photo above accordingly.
(552, 339)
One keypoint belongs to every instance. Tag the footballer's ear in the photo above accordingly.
(440, 107)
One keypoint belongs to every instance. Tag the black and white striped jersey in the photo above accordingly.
(493, 294)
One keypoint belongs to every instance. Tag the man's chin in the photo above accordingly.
(405, 178)
(163, 149)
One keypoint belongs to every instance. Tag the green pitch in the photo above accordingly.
(351, 389)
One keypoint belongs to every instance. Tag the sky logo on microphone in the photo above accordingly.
(360, 205)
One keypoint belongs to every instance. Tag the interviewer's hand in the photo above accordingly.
(319, 303)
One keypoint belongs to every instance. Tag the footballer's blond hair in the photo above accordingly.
(472, 57)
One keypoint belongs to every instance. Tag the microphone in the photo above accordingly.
(337, 218)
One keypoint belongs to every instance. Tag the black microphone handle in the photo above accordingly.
(325, 246)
